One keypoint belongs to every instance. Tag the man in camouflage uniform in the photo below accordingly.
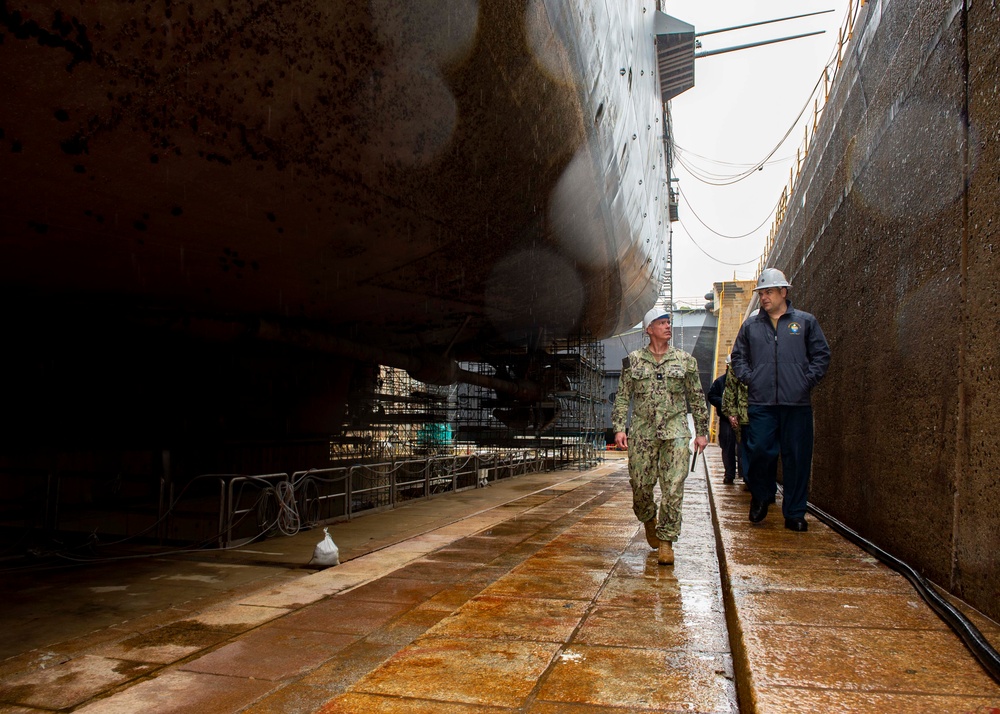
(662, 382)
(728, 437)
(734, 408)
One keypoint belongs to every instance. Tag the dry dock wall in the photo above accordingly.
(892, 240)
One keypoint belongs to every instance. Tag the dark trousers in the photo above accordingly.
(727, 442)
(743, 453)
(743, 458)
(788, 432)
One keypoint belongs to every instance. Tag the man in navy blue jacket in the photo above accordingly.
(781, 354)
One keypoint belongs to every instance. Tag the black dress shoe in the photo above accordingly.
(772, 499)
(727, 479)
(796, 524)
(758, 510)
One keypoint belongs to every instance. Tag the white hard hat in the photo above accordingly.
(654, 313)
(772, 278)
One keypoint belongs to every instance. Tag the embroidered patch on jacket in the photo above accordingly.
(794, 328)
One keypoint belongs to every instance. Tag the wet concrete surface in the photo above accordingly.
(135, 587)
(537, 595)
(817, 624)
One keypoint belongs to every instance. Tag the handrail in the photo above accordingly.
(230, 504)
(302, 480)
(303, 496)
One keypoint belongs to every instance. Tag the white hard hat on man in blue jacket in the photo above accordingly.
(771, 278)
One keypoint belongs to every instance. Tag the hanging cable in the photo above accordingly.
(684, 158)
(749, 172)
(709, 176)
(721, 262)
(288, 521)
(718, 179)
(723, 235)
(73, 561)
(686, 152)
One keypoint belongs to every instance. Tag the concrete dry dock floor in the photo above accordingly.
(538, 594)
(818, 625)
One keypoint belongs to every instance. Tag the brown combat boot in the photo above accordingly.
(651, 538)
(666, 555)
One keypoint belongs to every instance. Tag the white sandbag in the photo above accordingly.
(326, 552)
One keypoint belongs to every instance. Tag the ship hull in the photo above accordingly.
(417, 177)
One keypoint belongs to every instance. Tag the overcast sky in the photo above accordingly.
(741, 106)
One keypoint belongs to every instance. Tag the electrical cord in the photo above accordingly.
(707, 175)
(288, 521)
(956, 620)
(166, 513)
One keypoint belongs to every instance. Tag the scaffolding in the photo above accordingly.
(564, 427)
(392, 416)
(579, 426)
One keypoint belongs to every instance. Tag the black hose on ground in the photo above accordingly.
(972, 637)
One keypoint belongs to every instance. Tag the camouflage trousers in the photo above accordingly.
(665, 461)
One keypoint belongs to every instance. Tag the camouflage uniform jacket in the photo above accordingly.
(663, 392)
(734, 398)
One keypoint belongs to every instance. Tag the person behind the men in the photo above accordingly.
(781, 355)
(734, 409)
(727, 433)
(663, 385)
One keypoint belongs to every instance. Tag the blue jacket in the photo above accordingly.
(780, 366)
(715, 393)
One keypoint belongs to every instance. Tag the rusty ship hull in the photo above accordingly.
(432, 180)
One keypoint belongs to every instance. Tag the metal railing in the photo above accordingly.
(285, 503)
(230, 509)
(238, 489)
